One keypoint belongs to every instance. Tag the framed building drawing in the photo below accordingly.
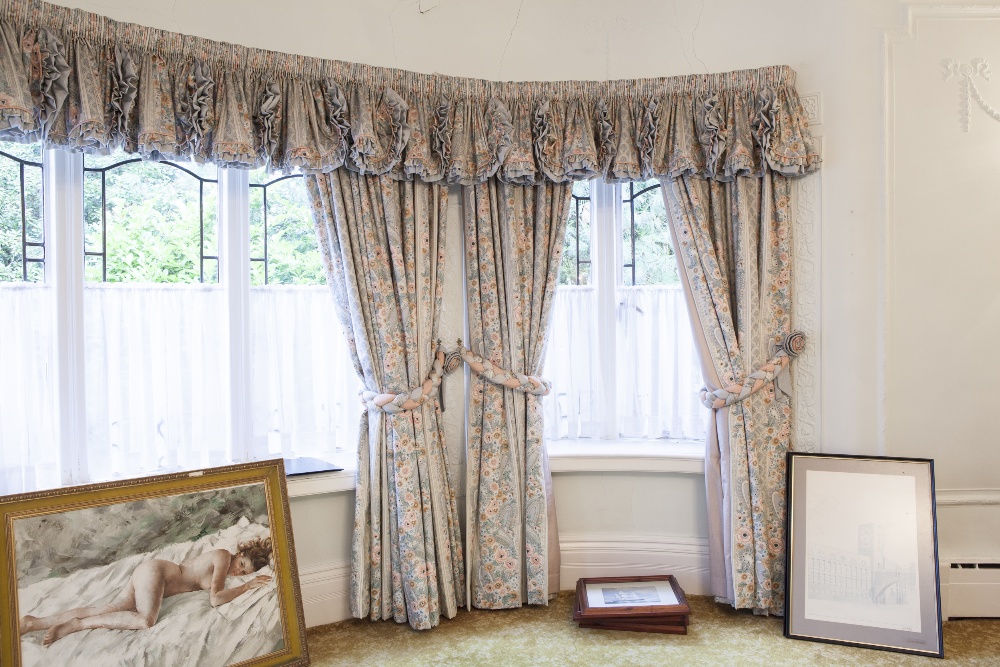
(862, 563)
(192, 568)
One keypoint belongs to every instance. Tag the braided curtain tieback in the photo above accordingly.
(413, 399)
(446, 363)
(529, 384)
(790, 346)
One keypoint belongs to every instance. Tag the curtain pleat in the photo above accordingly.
(733, 242)
(513, 242)
(382, 243)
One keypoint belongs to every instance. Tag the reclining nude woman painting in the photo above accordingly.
(181, 580)
(138, 605)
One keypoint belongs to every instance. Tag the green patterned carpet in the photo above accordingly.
(547, 636)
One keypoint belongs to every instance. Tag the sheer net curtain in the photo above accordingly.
(654, 359)
(657, 366)
(154, 378)
(304, 390)
(29, 454)
(657, 363)
(156, 382)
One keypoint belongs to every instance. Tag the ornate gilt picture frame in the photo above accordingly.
(862, 562)
(190, 568)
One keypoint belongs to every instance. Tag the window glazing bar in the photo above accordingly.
(605, 229)
(63, 229)
(234, 277)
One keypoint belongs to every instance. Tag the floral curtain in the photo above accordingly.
(513, 243)
(382, 243)
(733, 242)
(378, 144)
(86, 82)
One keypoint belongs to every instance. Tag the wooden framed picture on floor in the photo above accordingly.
(652, 603)
(862, 562)
(178, 570)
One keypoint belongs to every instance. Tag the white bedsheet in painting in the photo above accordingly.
(189, 631)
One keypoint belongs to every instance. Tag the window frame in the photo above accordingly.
(609, 451)
(266, 259)
(64, 230)
(22, 163)
(103, 253)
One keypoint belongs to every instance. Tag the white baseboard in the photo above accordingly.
(969, 592)
(623, 555)
(324, 592)
(324, 586)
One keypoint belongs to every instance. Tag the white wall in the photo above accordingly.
(905, 365)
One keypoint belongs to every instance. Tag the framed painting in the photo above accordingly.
(178, 570)
(651, 596)
(862, 562)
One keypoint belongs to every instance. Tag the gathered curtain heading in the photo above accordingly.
(791, 345)
(83, 81)
(445, 363)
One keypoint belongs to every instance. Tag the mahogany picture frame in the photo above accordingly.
(673, 613)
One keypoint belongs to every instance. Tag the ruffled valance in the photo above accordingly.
(83, 81)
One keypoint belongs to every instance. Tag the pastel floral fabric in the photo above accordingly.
(513, 243)
(733, 242)
(379, 144)
(86, 82)
(382, 243)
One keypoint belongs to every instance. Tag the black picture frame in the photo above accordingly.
(867, 575)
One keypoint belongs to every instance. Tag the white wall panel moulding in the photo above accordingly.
(812, 104)
(322, 483)
(806, 372)
(962, 497)
(626, 456)
(324, 589)
(916, 16)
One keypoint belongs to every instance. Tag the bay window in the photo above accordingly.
(168, 316)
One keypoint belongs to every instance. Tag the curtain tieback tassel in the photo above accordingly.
(790, 346)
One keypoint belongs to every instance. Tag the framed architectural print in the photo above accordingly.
(862, 563)
(178, 570)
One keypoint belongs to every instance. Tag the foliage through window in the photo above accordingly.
(575, 266)
(150, 222)
(22, 236)
(647, 254)
(282, 239)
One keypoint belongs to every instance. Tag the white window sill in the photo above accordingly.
(320, 483)
(588, 455)
(584, 455)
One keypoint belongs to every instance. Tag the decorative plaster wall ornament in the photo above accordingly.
(968, 90)
(805, 372)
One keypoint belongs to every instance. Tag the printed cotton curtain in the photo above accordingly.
(379, 144)
(513, 243)
(733, 243)
(382, 243)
